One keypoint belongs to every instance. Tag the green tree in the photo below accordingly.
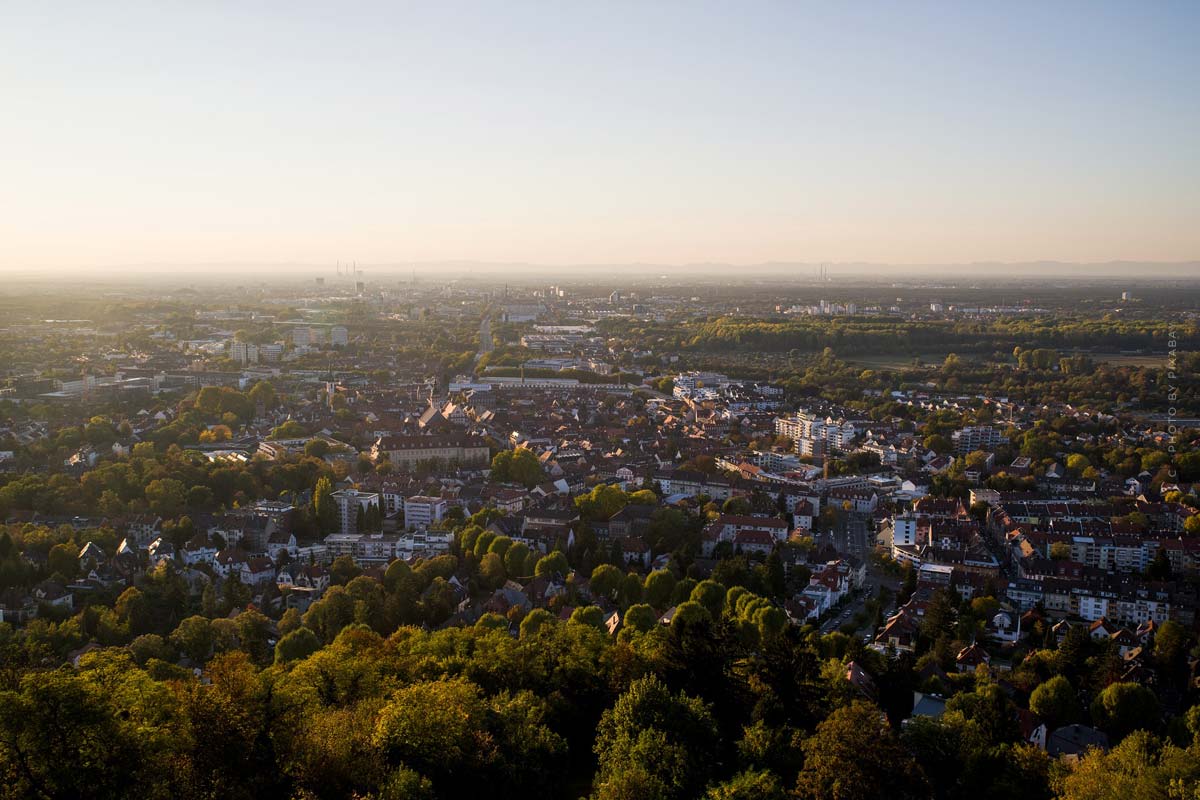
(518, 466)
(654, 744)
(534, 621)
(515, 560)
(194, 638)
(324, 507)
(81, 734)
(751, 785)
(589, 615)
(166, 496)
(601, 502)
(491, 571)
(62, 560)
(551, 564)
(296, 646)
(640, 617)
(659, 586)
(262, 392)
(1123, 708)
(1141, 766)
(854, 755)
(343, 570)
(711, 595)
(1055, 702)
(606, 580)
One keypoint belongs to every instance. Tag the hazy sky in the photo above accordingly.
(598, 132)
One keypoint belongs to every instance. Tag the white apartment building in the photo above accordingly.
(349, 502)
(421, 512)
(977, 437)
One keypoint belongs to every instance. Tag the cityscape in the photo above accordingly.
(978, 522)
(668, 401)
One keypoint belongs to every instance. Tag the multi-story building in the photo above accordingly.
(977, 437)
(349, 502)
(409, 451)
(422, 512)
(813, 435)
(904, 530)
(688, 384)
(243, 352)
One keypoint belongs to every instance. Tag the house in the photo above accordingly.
(229, 561)
(91, 556)
(747, 541)
(827, 586)
(803, 516)
(282, 542)
(315, 577)
(635, 550)
(17, 608)
(726, 527)
(1072, 741)
(160, 549)
(861, 501)
(510, 501)
(200, 549)
(1102, 630)
(632, 520)
(971, 657)
(928, 705)
(143, 529)
(507, 596)
(1033, 730)
(899, 633)
(257, 571)
(422, 511)
(52, 593)
(800, 609)
(861, 680)
(1003, 629)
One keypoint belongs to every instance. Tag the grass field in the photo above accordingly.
(896, 360)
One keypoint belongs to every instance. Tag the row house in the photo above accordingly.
(726, 527)
(861, 501)
(200, 549)
(692, 483)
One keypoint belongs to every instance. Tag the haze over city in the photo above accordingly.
(224, 135)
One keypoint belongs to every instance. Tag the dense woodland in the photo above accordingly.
(728, 701)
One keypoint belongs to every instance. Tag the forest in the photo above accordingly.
(722, 702)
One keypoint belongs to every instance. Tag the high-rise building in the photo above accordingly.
(349, 501)
(270, 353)
(338, 335)
(421, 512)
(244, 352)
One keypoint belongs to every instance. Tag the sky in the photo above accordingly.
(648, 132)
